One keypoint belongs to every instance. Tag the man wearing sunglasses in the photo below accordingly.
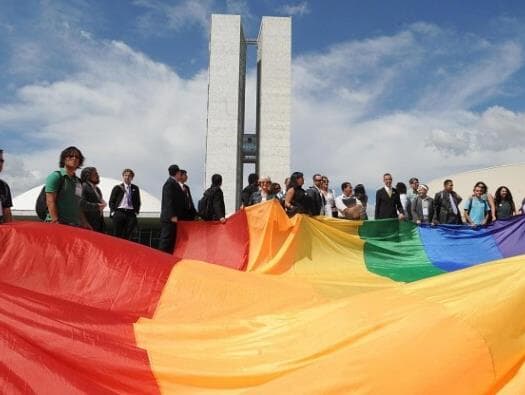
(5, 196)
(316, 198)
(64, 190)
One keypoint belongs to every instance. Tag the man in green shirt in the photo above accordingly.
(64, 190)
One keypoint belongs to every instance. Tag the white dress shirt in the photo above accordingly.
(124, 202)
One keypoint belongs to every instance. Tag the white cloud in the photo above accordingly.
(18, 177)
(426, 145)
(161, 16)
(239, 7)
(494, 130)
(122, 110)
(349, 121)
(298, 9)
(477, 81)
(426, 28)
(356, 74)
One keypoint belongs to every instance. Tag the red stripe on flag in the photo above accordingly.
(84, 267)
(68, 301)
(222, 244)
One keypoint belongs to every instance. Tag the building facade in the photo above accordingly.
(228, 146)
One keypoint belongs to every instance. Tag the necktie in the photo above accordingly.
(128, 196)
(453, 204)
(188, 204)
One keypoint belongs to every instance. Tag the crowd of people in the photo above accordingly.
(78, 201)
(412, 203)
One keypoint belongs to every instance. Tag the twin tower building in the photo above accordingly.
(230, 149)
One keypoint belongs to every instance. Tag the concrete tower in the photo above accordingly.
(274, 77)
(269, 148)
(226, 87)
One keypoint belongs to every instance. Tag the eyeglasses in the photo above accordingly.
(318, 179)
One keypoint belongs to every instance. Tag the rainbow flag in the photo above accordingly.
(265, 304)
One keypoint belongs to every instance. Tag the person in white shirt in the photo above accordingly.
(404, 199)
(124, 205)
(346, 203)
(329, 199)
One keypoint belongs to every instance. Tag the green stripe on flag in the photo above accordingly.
(394, 249)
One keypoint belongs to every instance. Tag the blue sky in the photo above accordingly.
(418, 88)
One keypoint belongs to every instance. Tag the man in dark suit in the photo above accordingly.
(215, 197)
(316, 199)
(124, 205)
(173, 208)
(189, 208)
(251, 188)
(388, 203)
(446, 205)
(93, 203)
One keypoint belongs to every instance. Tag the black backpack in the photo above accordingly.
(205, 205)
(41, 203)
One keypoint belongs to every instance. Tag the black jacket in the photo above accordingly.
(257, 197)
(91, 206)
(387, 206)
(5, 195)
(173, 201)
(316, 200)
(118, 193)
(300, 202)
(247, 193)
(189, 208)
(443, 210)
(216, 196)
